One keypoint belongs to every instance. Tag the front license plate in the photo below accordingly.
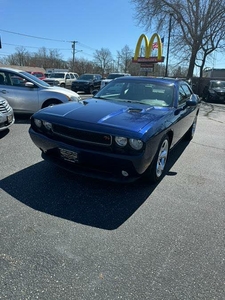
(68, 155)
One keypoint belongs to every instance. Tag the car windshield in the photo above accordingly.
(217, 84)
(57, 75)
(35, 79)
(138, 91)
(113, 76)
(86, 77)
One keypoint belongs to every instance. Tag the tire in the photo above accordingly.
(62, 85)
(156, 170)
(191, 131)
(51, 102)
(208, 98)
(91, 89)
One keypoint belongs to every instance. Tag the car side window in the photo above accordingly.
(67, 76)
(15, 80)
(184, 94)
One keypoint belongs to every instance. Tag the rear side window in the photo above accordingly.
(184, 93)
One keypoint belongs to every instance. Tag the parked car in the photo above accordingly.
(62, 79)
(123, 133)
(87, 83)
(112, 76)
(215, 91)
(27, 94)
(39, 75)
(6, 114)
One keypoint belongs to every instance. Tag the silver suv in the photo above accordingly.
(27, 94)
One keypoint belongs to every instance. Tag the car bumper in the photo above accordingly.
(217, 98)
(107, 166)
(6, 120)
(80, 88)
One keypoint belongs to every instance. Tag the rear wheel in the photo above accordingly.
(157, 169)
(191, 131)
(62, 85)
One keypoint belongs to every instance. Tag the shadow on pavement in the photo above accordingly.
(91, 202)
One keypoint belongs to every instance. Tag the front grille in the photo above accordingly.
(83, 135)
(4, 106)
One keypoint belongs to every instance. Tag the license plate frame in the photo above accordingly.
(68, 155)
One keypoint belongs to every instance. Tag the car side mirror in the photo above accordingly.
(193, 101)
(29, 84)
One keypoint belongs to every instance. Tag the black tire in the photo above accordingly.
(62, 85)
(51, 102)
(191, 131)
(156, 170)
(91, 89)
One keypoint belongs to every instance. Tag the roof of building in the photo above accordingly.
(24, 68)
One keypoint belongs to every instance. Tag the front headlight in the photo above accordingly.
(38, 123)
(136, 144)
(121, 141)
(47, 125)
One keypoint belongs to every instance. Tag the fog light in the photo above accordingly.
(124, 173)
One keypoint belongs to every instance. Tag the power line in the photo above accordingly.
(35, 37)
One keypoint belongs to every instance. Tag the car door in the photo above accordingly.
(183, 113)
(22, 98)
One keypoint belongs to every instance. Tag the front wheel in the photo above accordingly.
(157, 169)
(50, 102)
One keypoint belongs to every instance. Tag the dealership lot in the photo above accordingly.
(68, 237)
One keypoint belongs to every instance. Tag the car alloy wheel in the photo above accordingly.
(162, 157)
(156, 170)
(191, 131)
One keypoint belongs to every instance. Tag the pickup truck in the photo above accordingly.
(62, 79)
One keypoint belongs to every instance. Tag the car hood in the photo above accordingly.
(219, 89)
(57, 89)
(52, 78)
(82, 81)
(95, 114)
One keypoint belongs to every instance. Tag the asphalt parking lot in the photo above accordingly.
(67, 237)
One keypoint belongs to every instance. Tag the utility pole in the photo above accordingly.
(73, 47)
(168, 46)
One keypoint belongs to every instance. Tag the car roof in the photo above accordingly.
(152, 79)
(11, 69)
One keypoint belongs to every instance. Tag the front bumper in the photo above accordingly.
(107, 166)
(217, 98)
(6, 120)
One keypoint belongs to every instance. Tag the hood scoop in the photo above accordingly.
(135, 110)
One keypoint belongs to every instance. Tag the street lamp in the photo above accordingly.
(168, 46)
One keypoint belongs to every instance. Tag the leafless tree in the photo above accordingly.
(195, 22)
(103, 59)
(124, 58)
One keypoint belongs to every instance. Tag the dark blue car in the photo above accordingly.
(125, 131)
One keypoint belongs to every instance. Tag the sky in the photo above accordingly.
(93, 24)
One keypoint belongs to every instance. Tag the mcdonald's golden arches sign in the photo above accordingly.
(148, 50)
